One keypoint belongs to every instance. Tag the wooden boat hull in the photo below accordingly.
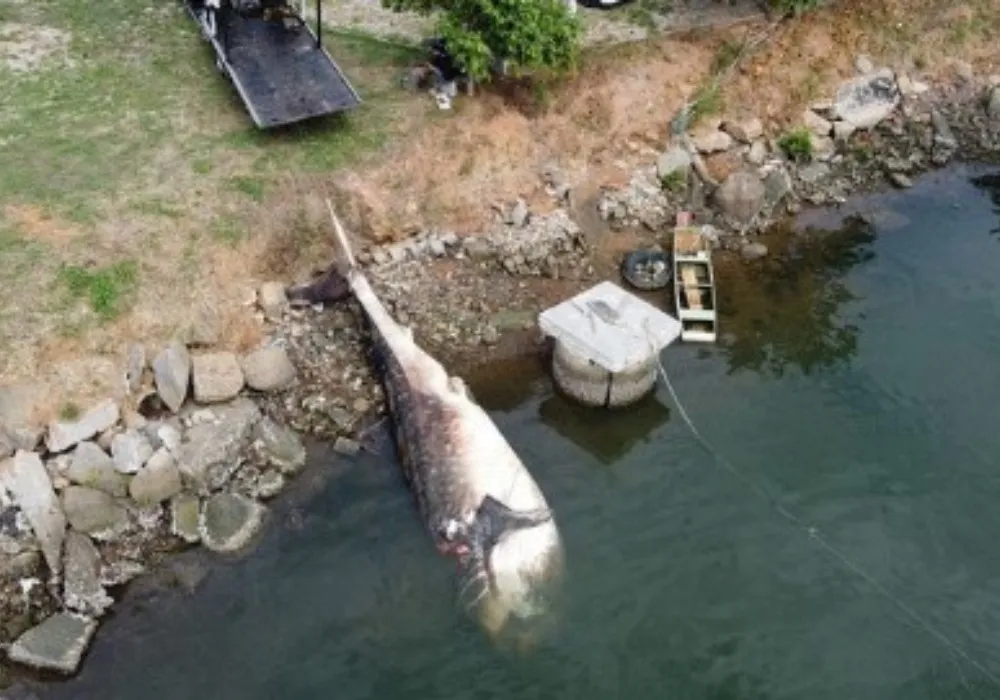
(694, 285)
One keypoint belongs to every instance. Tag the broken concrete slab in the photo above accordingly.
(57, 644)
(82, 589)
(26, 479)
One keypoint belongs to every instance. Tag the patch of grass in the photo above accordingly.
(674, 182)
(252, 187)
(725, 56)
(157, 206)
(707, 101)
(105, 288)
(229, 229)
(69, 411)
(797, 145)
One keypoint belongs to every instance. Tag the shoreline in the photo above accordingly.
(202, 440)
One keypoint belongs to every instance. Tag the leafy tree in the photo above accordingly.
(525, 36)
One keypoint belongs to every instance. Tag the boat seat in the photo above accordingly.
(691, 289)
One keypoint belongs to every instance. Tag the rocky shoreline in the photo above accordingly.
(203, 439)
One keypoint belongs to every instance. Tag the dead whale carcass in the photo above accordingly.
(477, 499)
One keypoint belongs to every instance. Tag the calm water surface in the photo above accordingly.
(859, 391)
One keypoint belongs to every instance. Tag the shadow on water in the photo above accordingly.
(990, 183)
(787, 310)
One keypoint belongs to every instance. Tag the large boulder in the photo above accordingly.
(94, 512)
(211, 450)
(741, 196)
(268, 369)
(91, 466)
(158, 481)
(172, 374)
(217, 377)
(867, 100)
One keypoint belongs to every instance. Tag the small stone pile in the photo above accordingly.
(87, 502)
(880, 125)
(521, 243)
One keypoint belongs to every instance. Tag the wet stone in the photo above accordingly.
(282, 446)
(185, 513)
(57, 644)
(229, 521)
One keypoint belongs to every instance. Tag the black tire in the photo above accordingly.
(635, 273)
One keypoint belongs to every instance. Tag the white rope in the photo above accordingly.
(815, 535)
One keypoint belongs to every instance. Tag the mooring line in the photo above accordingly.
(815, 535)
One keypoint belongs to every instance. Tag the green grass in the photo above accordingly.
(105, 288)
(797, 145)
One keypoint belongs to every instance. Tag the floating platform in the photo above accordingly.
(607, 345)
(694, 283)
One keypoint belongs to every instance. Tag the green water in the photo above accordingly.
(858, 390)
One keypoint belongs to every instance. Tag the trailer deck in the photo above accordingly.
(283, 74)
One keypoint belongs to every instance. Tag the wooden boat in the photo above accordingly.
(694, 282)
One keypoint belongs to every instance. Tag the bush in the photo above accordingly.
(527, 36)
(797, 145)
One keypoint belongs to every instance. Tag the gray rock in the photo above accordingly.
(63, 435)
(816, 124)
(281, 445)
(746, 130)
(519, 213)
(169, 436)
(712, 141)
(25, 478)
(216, 377)
(677, 159)
(268, 369)
(753, 250)
(842, 131)
(741, 196)
(863, 64)
(94, 512)
(900, 180)
(135, 365)
(993, 103)
(158, 481)
(57, 644)
(346, 446)
(172, 373)
(269, 484)
(229, 521)
(945, 144)
(130, 450)
(477, 248)
(867, 100)
(211, 451)
(91, 466)
(814, 172)
(757, 153)
(82, 589)
(823, 148)
(120, 572)
(272, 300)
(777, 184)
(185, 515)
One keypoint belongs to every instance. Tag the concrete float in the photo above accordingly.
(607, 345)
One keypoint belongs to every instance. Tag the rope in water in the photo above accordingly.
(815, 535)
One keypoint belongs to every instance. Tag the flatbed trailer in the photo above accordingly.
(280, 68)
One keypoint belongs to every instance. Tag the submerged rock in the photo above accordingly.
(282, 446)
(82, 589)
(229, 521)
(63, 435)
(25, 477)
(57, 644)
